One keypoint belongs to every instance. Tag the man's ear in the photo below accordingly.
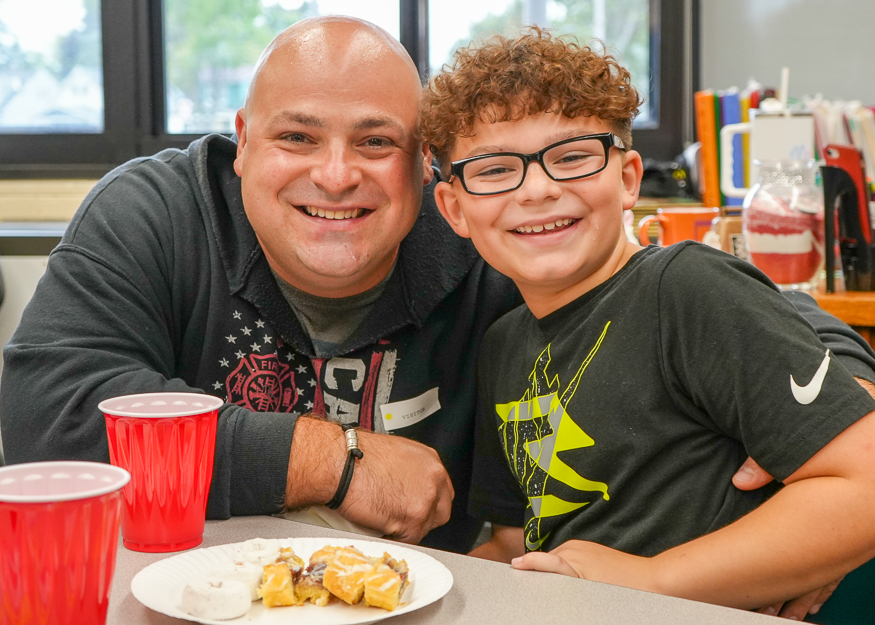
(633, 171)
(240, 127)
(448, 205)
(427, 171)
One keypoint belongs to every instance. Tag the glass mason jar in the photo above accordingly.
(782, 222)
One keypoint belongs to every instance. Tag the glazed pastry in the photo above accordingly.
(216, 599)
(310, 587)
(385, 583)
(288, 556)
(278, 586)
(345, 574)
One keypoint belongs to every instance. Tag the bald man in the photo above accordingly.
(303, 269)
(296, 271)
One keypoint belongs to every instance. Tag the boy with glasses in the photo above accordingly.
(618, 402)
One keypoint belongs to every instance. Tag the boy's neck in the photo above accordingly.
(543, 300)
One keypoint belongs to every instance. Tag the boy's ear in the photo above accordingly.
(633, 171)
(448, 205)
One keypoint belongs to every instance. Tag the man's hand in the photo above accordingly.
(399, 488)
(798, 608)
(750, 476)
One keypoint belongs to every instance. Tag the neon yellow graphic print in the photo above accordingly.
(534, 430)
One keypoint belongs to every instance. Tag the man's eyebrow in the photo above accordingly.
(370, 123)
(292, 117)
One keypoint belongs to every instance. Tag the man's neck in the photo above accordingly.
(330, 286)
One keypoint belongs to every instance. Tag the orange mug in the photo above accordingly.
(678, 224)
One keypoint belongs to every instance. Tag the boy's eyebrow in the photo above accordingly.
(549, 140)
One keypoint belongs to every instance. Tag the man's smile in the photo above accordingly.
(333, 214)
(552, 226)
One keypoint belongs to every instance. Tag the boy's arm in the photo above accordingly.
(506, 544)
(811, 532)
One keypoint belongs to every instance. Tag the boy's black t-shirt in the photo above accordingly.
(625, 413)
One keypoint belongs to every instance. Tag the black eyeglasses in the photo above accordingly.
(570, 159)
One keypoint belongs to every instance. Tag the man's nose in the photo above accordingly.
(336, 170)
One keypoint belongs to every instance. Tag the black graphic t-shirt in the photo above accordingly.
(621, 417)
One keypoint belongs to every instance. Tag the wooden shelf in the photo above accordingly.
(856, 308)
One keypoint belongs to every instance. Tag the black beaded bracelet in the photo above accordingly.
(352, 445)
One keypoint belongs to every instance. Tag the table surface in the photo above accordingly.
(482, 592)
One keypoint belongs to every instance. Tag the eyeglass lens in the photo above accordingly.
(495, 174)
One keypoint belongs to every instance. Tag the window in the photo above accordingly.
(51, 75)
(211, 49)
(623, 25)
(102, 81)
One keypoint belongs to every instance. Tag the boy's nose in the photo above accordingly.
(537, 185)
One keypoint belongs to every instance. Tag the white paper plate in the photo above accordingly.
(159, 585)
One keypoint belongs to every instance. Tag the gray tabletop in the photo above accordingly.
(482, 592)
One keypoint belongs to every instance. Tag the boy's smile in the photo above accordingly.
(556, 240)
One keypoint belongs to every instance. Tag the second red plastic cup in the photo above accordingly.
(167, 442)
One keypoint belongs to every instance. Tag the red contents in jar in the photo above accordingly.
(785, 244)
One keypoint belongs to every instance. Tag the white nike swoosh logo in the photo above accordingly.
(808, 393)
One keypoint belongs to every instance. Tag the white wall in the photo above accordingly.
(828, 45)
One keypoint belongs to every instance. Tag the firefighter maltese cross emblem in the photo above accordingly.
(262, 384)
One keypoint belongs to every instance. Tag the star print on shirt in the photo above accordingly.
(312, 382)
(302, 369)
(258, 375)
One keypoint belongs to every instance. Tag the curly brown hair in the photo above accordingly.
(508, 79)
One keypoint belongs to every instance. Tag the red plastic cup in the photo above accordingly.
(59, 526)
(167, 442)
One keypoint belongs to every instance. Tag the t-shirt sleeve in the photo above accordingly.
(848, 346)
(738, 356)
(495, 494)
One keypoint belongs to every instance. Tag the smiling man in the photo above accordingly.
(302, 269)
(333, 169)
(296, 271)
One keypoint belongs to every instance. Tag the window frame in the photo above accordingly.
(133, 62)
